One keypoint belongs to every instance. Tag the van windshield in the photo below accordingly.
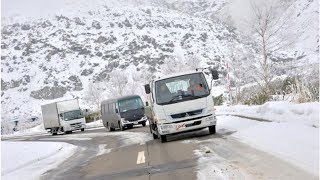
(181, 88)
(130, 104)
(71, 115)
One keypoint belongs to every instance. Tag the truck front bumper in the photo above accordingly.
(173, 128)
(75, 127)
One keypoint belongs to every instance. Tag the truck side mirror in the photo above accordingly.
(60, 115)
(117, 111)
(214, 74)
(147, 103)
(147, 88)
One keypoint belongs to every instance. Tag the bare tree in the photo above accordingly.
(94, 95)
(117, 83)
(270, 25)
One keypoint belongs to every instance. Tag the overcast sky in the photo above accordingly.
(31, 8)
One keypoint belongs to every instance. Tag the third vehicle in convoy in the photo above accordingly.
(180, 103)
(63, 116)
(123, 112)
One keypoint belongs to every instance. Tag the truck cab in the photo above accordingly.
(180, 103)
(72, 120)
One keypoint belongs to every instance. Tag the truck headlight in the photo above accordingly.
(210, 118)
(161, 121)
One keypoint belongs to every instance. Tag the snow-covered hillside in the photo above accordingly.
(59, 55)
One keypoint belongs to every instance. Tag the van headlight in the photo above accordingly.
(123, 120)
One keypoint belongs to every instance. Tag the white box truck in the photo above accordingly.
(64, 116)
(180, 103)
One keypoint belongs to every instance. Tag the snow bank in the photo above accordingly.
(31, 159)
(94, 124)
(289, 141)
(278, 111)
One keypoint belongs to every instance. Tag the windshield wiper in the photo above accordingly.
(178, 96)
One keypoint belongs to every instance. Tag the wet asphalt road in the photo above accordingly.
(175, 159)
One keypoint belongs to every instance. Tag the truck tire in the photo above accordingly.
(130, 126)
(143, 123)
(109, 127)
(163, 138)
(82, 129)
(68, 132)
(155, 136)
(212, 129)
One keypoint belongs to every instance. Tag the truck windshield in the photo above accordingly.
(130, 104)
(71, 115)
(181, 88)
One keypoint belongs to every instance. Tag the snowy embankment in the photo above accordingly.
(39, 129)
(29, 160)
(293, 134)
(277, 111)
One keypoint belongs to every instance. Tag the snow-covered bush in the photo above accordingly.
(7, 127)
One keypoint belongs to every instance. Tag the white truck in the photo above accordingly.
(64, 116)
(180, 103)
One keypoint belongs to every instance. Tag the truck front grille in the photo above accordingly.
(186, 114)
(76, 124)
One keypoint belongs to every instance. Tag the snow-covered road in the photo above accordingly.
(284, 148)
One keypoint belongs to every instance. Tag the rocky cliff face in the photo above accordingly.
(55, 58)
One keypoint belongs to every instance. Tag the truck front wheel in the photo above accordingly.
(82, 129)
(212, 129)
(143, 123)
(155, 136)
(163, 138)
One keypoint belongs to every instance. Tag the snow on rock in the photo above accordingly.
(293, 142)
(19, 159)
(280, 111)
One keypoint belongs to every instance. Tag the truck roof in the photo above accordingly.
(120, 98)
(177, 74)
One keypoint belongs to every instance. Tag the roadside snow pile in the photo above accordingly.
(278, 111)
(37, 129)
(293, 142)
(29, 160)
(94, 124)
(211, 166)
